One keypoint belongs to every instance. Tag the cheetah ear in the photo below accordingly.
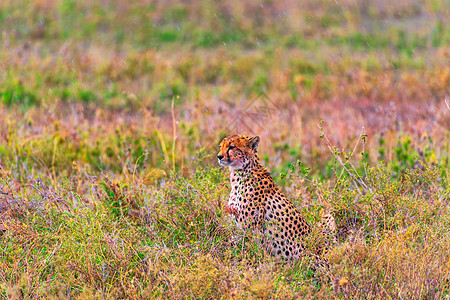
(253, 142)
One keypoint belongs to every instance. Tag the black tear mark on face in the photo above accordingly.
(228, 152)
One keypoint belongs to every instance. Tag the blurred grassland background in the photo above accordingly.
(110, 117)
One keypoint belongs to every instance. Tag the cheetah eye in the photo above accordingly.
(231, 147)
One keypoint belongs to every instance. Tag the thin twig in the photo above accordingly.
(356, 180)
(174, 134)
(351, 155)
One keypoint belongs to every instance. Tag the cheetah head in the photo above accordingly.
(237, 150)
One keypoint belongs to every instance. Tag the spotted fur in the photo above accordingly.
(257, 202)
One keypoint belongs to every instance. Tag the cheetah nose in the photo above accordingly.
(220, 157)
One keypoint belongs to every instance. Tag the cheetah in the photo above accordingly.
(257, 202)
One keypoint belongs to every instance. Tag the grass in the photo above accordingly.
(111, 117)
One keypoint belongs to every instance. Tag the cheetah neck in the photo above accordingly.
(251, 166)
